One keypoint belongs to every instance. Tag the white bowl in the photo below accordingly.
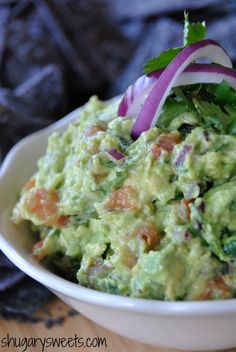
(184, 325)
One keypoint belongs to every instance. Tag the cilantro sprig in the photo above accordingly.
(214, 105)
(193, 32)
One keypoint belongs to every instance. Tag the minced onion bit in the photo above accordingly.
(115, 155)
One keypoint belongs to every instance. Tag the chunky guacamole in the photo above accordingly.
(160, 223)
(152, 216)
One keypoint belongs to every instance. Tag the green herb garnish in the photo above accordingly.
(193, 32)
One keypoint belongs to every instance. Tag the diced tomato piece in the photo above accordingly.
(29, 185)
(217, 284)
(156, 150)
(38, 252)
(123, 198)
(62, 221)
(166, 142)
(185, 206)
(91, 131)
(43, 204)
(149, 234)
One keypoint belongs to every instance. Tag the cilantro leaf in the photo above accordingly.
(171, 109)
(161, 61)
(181, 96)
(223, 92)
(222, 147)
(193, 32)
(212, 114)
(230, 246)
(209, 102)
(116, 181)
(231, 128)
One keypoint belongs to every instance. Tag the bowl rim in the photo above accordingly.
(91, 296)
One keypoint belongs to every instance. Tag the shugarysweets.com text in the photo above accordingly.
(28, 343)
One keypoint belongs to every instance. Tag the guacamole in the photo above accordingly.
(158, 223)
(138, 196)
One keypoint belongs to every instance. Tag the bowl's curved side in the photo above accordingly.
(163, 324)
(186, 333)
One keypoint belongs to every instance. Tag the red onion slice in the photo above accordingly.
(206, 73)
(115, 155)
(182, 155)
(153, 104)
(194, 73)
(136, 90)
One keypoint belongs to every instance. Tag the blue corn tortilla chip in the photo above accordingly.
(22, 301)
(9, 277)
